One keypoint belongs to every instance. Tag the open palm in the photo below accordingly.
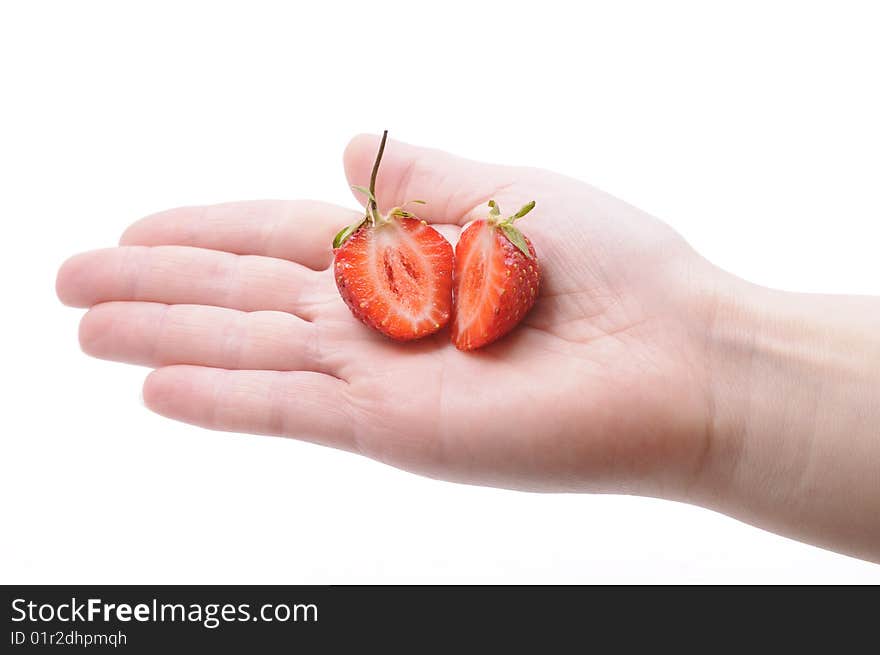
(601, 388)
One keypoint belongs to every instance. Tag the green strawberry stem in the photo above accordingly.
(372, 213)
(373, 207)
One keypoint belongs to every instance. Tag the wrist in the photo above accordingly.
(794, 411)
(765, 364)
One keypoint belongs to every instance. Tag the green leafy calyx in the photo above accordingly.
(365, 191)
(343, 234)
(506, 225)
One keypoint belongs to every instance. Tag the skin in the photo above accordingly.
(642, 368)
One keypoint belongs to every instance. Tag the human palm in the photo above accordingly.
(602, 387)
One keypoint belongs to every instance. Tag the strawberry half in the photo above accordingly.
(496, 279)
(394, 271)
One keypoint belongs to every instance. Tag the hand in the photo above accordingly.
(641, 369)
(601, 388)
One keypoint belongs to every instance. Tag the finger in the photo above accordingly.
(184, 275)
(154, 334)
(298, 230)
(451, 186)
(299, 404)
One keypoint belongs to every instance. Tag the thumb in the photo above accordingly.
(451, 186)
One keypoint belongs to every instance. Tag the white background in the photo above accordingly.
(750, 127)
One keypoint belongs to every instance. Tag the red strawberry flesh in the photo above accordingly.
(397, 277)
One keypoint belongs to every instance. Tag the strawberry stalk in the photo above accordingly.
(373, 206)
(372, 213)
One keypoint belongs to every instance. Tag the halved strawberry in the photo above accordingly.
(397, 277)
(496, 279)
(394, 271)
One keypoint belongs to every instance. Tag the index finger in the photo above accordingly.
(297, 230)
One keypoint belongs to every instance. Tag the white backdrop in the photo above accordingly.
(750, 127)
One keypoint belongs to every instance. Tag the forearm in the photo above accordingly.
(795, 438)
